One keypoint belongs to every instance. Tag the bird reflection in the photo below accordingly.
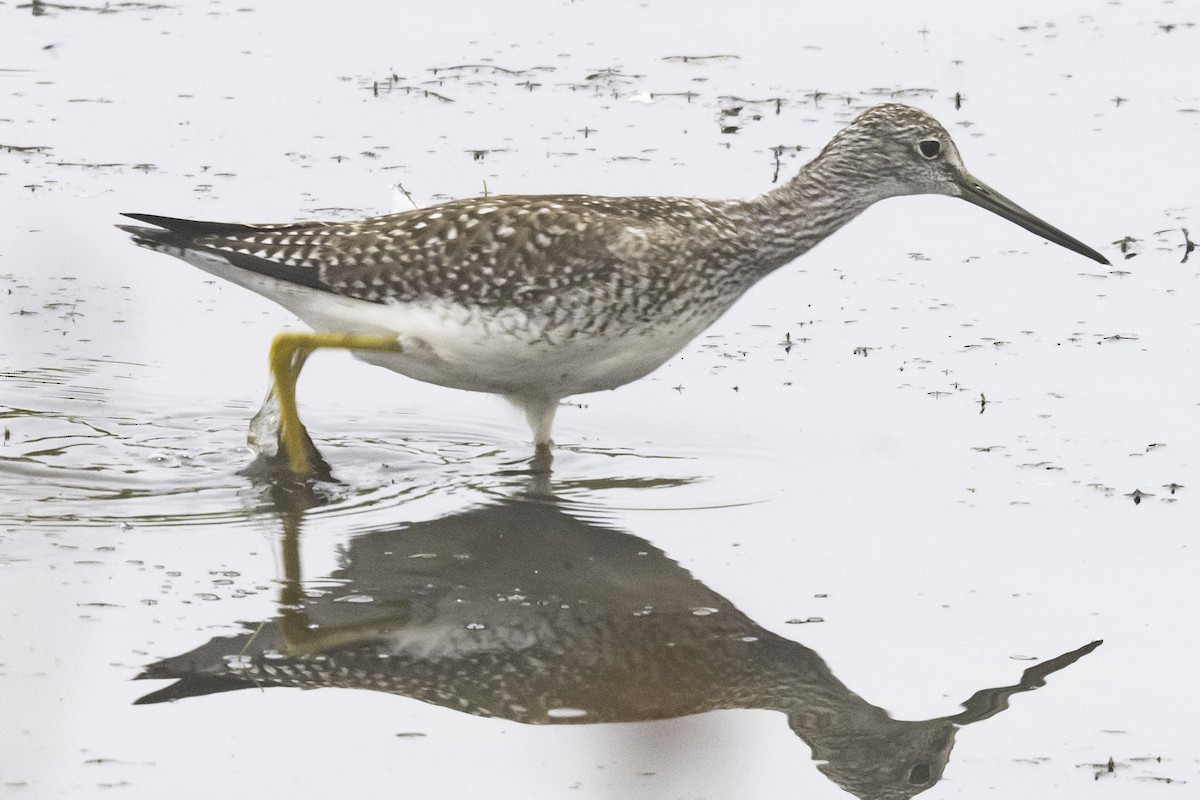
(525, 611)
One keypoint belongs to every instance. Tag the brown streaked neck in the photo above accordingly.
(791, 219)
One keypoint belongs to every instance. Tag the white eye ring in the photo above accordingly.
(929, 148)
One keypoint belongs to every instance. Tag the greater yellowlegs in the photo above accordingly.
(537, 297)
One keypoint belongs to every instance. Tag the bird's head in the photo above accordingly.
(899, 150)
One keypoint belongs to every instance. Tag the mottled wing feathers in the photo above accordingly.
(504, 250)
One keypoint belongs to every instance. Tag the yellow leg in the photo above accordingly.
(288, 353)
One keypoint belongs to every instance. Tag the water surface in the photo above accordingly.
(898, 477)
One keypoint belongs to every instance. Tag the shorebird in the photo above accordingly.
(538, 297)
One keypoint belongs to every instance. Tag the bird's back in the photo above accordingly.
(553, 294)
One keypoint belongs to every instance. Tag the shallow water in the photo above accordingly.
(900, 472)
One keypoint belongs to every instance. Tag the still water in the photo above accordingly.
(863, 536)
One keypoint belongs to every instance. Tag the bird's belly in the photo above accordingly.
(508, 352)
(549, 353)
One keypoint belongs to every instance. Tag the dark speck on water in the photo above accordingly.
(1137, 495)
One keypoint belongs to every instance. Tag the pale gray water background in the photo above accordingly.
(851, 479)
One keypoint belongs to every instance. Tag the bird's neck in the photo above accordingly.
(789, 220)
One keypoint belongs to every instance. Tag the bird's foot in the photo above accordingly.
(282, 451)
(276, 431)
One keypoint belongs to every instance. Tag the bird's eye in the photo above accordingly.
(930, 148)
(919, 774)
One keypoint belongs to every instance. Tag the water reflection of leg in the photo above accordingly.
(543, 458)
(301, 635)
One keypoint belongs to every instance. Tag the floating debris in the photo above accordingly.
(777, 151)
(40, 7)
(750, 101)
(482, 153)
(392, 85)
(1137, 495)
(478, 67)
(1126, 245)
(610, 74)
(689, 59)
(689, 95)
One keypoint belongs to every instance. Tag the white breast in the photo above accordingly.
(503, 351)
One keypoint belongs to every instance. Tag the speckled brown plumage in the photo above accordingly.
(541, 297)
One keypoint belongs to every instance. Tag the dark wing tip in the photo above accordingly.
(154, 238)
(184, 235)
(187, 227)
(151, 218)
(191, 686)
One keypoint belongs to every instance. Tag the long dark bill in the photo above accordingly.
(984, 196)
